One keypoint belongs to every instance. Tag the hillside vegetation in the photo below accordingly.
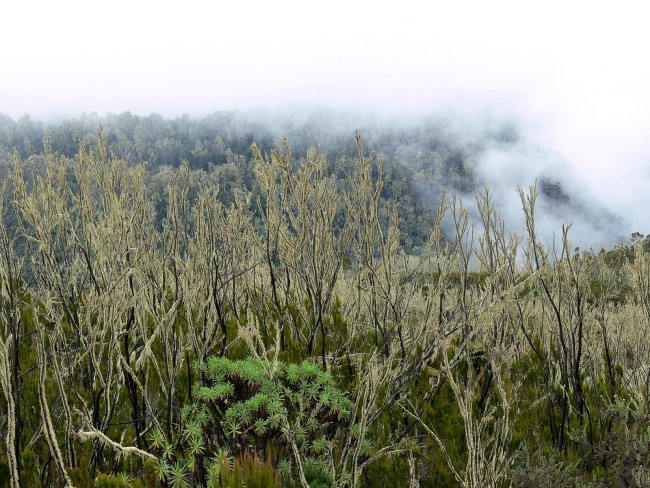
(422, 158)
(198, 330)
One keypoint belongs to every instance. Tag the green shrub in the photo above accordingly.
(247, 470)
(243, 410)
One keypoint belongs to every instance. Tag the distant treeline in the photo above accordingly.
(419, 160)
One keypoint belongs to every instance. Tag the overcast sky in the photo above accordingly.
(576, 74)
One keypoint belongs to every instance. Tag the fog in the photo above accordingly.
(571, 77)
(498, 150)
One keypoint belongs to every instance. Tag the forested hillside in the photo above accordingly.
(235, 313)
(421, 158)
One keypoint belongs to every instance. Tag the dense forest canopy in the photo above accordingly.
(185, 303)
(423, 156)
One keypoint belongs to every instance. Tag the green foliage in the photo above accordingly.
(29, 472)
(122, 480)
(80, 475)
(316, 474)
(250, 405)
(315, 471)
(260, 399)
(539, 470)
(246, 470)
(4, 472)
